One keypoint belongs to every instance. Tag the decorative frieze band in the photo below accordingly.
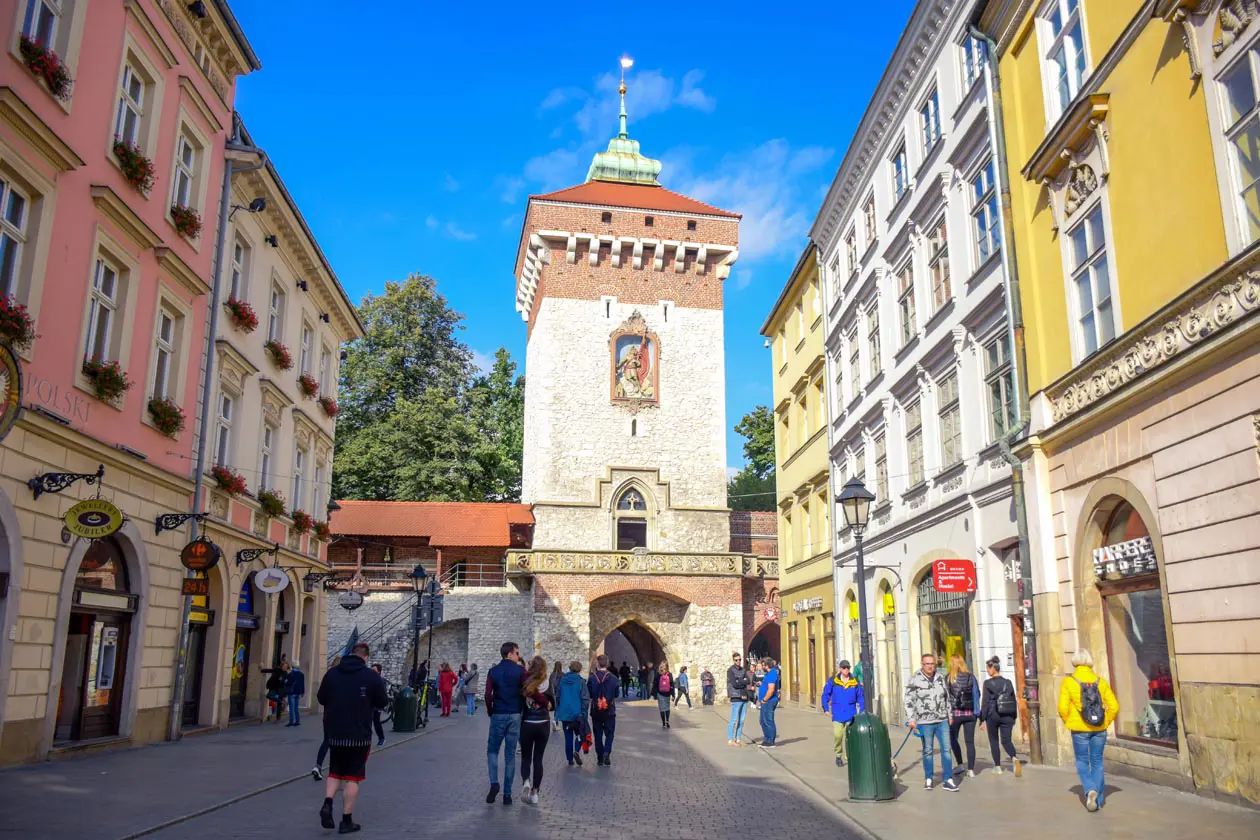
(635, 563)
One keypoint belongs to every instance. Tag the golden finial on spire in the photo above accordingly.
(626, 63)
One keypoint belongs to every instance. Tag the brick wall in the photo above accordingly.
(755, 532)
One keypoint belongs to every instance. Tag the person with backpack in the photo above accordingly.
(573, 704)
(999, 710)
(603, 688)
(843, 697)
(684, 686)
(1087, 707)
(927, 712)
(663, 691)
(737, 680)
(706, 687)
(535, 727)
(964, 702)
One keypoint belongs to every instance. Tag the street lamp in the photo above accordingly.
(418, 574)
(855, 502)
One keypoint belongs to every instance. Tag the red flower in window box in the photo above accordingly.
(329, 405)
(321, 531)
(307, 385)
(302, 521)
(272, 502)
(279, 354)
(137, 169)
(243, 316)
(229, 481)
(46, 64)
(186, 221)
(167, 416)
(16, 325)
(109, 380)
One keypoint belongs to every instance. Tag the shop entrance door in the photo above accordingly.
(193, 675)
(240, 672)
(890, 673)
(946, 625)
(813, 672)
(92, 677)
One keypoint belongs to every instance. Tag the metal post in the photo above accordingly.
(864, 651)
(415, 643)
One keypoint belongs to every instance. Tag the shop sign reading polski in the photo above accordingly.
(93, 519)
(807, 604)
(271, 581)
(10, 389)
(1132, 557)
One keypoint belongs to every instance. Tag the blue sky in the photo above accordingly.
(412, 139)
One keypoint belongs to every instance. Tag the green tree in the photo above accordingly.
(749, 491)
(496, 402)
(757, 427)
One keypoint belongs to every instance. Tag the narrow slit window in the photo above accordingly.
(647, 221)
(634, 428)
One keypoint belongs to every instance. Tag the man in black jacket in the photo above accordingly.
(349, 693)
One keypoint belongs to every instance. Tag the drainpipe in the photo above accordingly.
(233, 146)
(1015, 322)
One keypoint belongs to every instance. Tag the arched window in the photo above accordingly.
(631, 517)
(631, 500)
(103, 568)
(1137, 638)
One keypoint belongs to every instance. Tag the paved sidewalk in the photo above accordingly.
(1044, 802)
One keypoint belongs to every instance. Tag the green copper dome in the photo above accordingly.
(622, 163)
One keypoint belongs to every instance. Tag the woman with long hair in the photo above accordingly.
(535, 726)
(446, 687)
(964, 702)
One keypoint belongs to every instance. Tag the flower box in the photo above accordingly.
(137, 169)
(329, 405)
(279, 354)
(46, 64)
(229, 481)
(321, 531)
(186, 221)
(16, 325)
(109, 380)
(242, 315)
(302, 521)
(272, 502)
(167, 416)
(307, 385)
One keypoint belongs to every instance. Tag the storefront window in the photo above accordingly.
(103, 568)
(944, 622)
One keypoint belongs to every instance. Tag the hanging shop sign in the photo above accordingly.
(93, 519)
(196, 586)
(350, 600)
(1126, 559)
(954, 575)
(807, 605)
(200, 555)
(10, 389)
(271, 581)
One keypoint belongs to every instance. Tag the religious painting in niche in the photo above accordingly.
(635, 362)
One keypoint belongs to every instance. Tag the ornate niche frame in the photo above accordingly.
(634, 371)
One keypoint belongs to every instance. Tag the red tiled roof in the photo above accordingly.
(638, 196)
(444, 523)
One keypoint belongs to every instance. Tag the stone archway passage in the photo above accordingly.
(632, 644)
(765, 642)
(653, 625)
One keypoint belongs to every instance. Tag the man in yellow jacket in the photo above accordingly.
(1088, 707)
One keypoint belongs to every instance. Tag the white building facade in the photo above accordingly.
(919, 362)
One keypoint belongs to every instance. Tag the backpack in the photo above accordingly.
(1005, 703)
(601, 702)
(960, 691)
(1092, 711)
(663, 685)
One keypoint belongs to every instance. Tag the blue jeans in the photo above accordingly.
(471, 700)
(735, 730)
(503, 728)
(295, 716)
(937, 732)
(1088, 747)
(572, 738)
(769, 731)
(602, 729)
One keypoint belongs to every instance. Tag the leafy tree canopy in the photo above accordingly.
(753, 487)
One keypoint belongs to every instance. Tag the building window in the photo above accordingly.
(647, 221)
(914, 443)
(930, 121)
(1092, 282)
(807, 532)
(815, 297)
(183, 192)
(999, 376)
(872, 341)
(802, 407)
(223, 432)
(1238, 87)
(1064, 50)
(900, 173)
(40, 21)
(14, 212)
(304, 354)
(951, 426)
(975, 56)
(299, 469)
(691, 224)
(101, 311)
(319, 506)
(984, 213)
(855, 366)
(938, 265)
(325, 371)
(1137, 636)
(240, 269)
(605, 217)
(631, 534)
(131, 102)
(868, 220)
(268, 442)
(851, 251)
(800, 323)
(164, 353)
(905, 302)
(783, 345)
(880, 445)
(275, 314)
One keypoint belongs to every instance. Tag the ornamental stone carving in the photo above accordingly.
(636, 563)
(1081, 185)
(1204, 314)
(219, 506)
(1234, 17)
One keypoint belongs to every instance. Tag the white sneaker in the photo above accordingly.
(971, 774)
(927, 784)
(317, 773)
(997, 771)
(526, 790)
(951, 785)
(532, 799)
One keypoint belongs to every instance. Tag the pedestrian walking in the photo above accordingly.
(295, 690)
(1087, 706)
(535, 727)
(843, 697)
(624, 674)
(504, 704)
(964, 702)
(317, 772)
(927, 712)
(646, 673)
(603, 688)
(275, 691)
(706, 687)
(683, 688)
(663, 691)
(446, 687)
(376, 713)
(999, 710)
(471, 681)
(458, 694)
(349, 692)
(737, 681)
(768, 693)
(573, 704)
(553, 685)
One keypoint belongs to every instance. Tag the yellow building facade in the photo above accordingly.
(794, 332)
(1132, 137)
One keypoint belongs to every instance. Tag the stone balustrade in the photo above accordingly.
(640, 563)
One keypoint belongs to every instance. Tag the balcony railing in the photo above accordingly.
(640, 563)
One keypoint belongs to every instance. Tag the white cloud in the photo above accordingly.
(742, 276)
(432, 223)
(510, 188)
(455, 232)
(484, 362)
(449, 183)
(559, 96)
(558, 168)
(691, 96)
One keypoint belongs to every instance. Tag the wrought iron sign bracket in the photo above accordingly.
(249, 555)
(171, 521)
(56, 482)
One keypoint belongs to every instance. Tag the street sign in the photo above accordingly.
(423, 613)
(350, 600)
(954, 575)
(271, 581)
(196, 586)
(93, 519)
(200, 555)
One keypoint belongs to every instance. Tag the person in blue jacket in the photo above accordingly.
(842, 697)
(573, 704)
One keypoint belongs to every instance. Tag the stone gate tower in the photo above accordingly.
(619, 281)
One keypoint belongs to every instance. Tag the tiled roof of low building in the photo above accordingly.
(444, 523)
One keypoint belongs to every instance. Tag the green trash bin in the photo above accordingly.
(870, 760)
(406, 710)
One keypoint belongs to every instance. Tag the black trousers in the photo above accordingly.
(968, 726)
(376, 724)
(682, 692)
(1003, 725)
(534, 738)
(323, 752)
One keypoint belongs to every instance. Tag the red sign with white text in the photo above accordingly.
(954, 576)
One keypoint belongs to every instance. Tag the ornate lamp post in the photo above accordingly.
(418, 574)
(855, 501)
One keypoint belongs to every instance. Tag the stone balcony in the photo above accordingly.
(640, 562)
